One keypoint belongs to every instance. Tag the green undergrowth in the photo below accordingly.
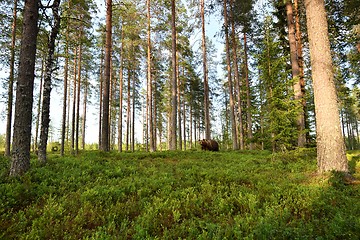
(179, 195)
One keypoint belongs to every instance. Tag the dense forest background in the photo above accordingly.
(235, 78)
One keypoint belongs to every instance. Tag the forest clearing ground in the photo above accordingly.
(179, 194)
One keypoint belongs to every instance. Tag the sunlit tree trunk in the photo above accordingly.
(38, 112)
(231, 95)
(173, 115)
(302, 118)
(45, 113)
(237, 76)
(74, 105)
(120, 119)
(205, 72)
(248, 95)
(83, 128)
(66, 73)
(150, 111)
(105, 144)
(20, 161)
(295, 73)
(330, 143)
(77, 127)
(128, 110)
(11, 84)
(101, 96)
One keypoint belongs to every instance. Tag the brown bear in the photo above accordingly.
(209, 144)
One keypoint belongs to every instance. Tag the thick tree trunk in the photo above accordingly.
(45, 113)
(173, 115)
(105, 144)
(11, 84)
(24, 92)
(231, 95)
(205, 72)
(330, 143)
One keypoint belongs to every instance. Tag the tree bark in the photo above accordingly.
(105, 144)
(24, 92)
(11, 84)
(330, 143)
(66, 73)
(173, 114)
(45, 113)
(121, 79)
(74, 105)
(231, 95)
(205, 72)
(83, 128)
(150, 111)
(237, 76)
(77, 124)
(300, 122)
(248, 96)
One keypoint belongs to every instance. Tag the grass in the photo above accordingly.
(175, 195)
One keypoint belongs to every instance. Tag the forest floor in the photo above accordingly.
(180, 195)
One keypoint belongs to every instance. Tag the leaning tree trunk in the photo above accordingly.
(330, 143)
(45, 113)
(24, 92)
(11, 84)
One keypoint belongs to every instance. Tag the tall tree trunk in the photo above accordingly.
(300, 122)
(74, 105)
(173, 115)
(205, 72)
(38, 113)
(133, 116)
(248, 96)
(83, 128)
(302, 119)
(105, 145)
(101, 97)
(237, 76)
(179, 134)
(77, 131)
(128, 108)
(11, 84)
(20, 161)
(330, 143)
(45, 113)
(231, 95)
(150, 115)
(66, 73)
(120, 120)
